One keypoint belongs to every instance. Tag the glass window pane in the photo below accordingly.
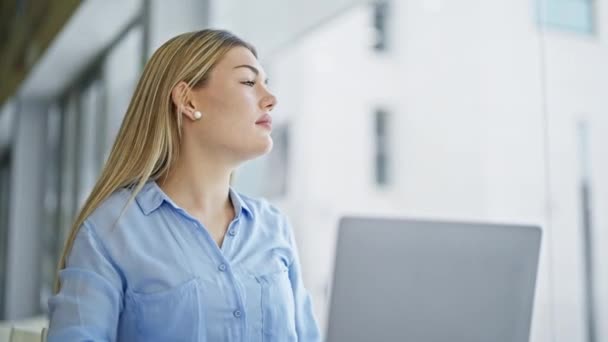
(120, 72)
(50, 243)
(90, 105)
(575, 15)
(67, 204)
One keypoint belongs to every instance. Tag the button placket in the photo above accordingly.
(230, 234)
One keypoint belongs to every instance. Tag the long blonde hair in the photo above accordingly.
(147, 144)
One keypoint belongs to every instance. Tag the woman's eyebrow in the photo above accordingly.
(252, 68)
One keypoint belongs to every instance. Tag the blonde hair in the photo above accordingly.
(148, 141)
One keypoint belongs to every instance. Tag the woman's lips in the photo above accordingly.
(265, 124)
(265, 120)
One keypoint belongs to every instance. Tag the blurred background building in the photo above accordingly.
(477, 110)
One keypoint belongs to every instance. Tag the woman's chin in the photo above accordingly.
(266, 148)
(259, 150)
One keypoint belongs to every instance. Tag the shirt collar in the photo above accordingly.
(239, 204)
(151, 197)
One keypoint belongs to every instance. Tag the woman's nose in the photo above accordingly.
(269, 102)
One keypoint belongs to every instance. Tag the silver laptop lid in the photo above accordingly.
(423, 281)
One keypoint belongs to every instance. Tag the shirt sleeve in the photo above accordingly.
(306, 325)
(89, 303)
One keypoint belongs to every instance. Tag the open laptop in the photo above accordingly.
(428, 281)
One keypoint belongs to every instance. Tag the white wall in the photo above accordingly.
(272, 25)
(473, 71)
(472, 84)
(170, 18)
(577, 77)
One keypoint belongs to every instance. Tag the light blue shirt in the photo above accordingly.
(158, 275)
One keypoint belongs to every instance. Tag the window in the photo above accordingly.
(90, 138)
(121, 70)
(51, 243)
(380, 16)
(573, 15)
(586, 206)
(5, 190)
(381, 157)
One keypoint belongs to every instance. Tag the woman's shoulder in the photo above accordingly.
(107, 213)
(267, 214)
(260, 206)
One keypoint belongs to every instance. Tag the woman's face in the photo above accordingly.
(233, 102)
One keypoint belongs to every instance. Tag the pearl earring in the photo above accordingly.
(197, 115)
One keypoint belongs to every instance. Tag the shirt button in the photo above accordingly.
(222, 267)
(237, 313)
(232, 232)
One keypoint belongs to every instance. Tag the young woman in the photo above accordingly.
(164, 249)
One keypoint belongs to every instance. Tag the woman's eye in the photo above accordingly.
(249, 83)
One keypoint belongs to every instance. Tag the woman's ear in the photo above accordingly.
(180, 96)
